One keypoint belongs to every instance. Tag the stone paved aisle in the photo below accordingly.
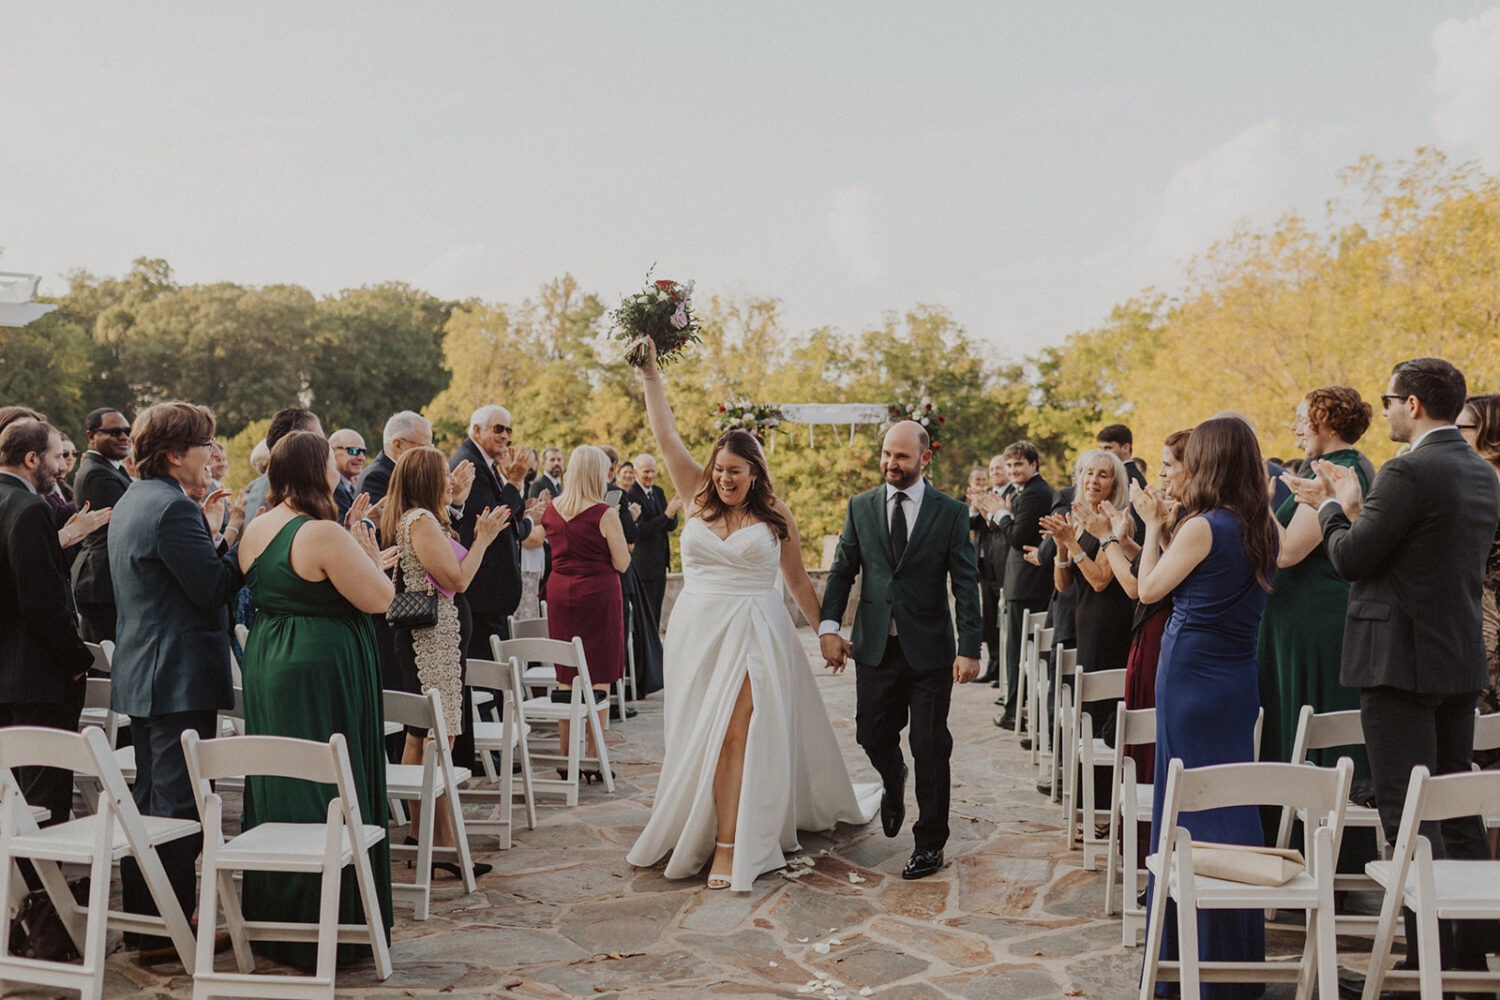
(1012, 916)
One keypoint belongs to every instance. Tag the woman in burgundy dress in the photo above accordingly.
(583, 592)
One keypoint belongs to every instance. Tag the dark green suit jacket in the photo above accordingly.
(913, 591)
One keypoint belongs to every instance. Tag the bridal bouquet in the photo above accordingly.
(662, 311)
(923, 412)
(757, 418)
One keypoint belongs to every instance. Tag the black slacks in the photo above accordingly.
(51, 787)
(1403, 729)
(989, 607)
(654, 593)
(96, 622)
(887, 696)
(163, 788)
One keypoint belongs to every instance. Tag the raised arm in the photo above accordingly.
(686, 473)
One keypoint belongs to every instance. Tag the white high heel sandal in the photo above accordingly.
(717, 881)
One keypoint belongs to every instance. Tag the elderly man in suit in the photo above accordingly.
(1016, 518)
(1414, 552)
(42, 659)
(101, 482)
(906, 541)
(407, 429)
(172, 586)
(349, 453)
(652, 557)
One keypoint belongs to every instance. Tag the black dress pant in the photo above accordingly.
(51, 787)
(1403, 729)
(96, 622)
(989, 607)
(654, 593)
(888, 696)
(163, 788)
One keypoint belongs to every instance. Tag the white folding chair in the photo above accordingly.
(1062, 721)
(1026, 682)
(1036, 689)
(1328, 731)
(581, 711)
(434, 783)
(507, 739)
(94, 712)
(1088, 752)
(1321, 793)
(324, 849)
(1487, 737)
(115, 831)
(535, 675)
(1435, 889)
(1130, 806)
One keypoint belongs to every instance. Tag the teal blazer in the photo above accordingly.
(913, 591)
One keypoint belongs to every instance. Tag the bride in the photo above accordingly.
(750, 755)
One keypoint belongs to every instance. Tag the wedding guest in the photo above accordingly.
(1104, 611)
(99, 485)
(218, 465)
(1413, 641)
(311, 669)
(42, 659)
(1120, 442)
(625, 478)
(1302, 632)
(1479, 423)
(415, 518)
(583, 593)
(260, 457)
(407, 429)
(550, 477)
(992, 552)
(283, 422)
(349, 455)
(60, 496)
(1218, 570)
(172, 588)
(652, 557)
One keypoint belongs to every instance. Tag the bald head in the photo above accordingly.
(904, 453)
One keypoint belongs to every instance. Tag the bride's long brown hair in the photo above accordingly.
(760, 500)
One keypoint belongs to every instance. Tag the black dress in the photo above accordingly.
(1103, 621)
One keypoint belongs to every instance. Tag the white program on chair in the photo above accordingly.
(1062, 721)
(581, 712)
(1329, 731)
(1434, 890)
(507, 738)
(1088, 752)
(116, 830)
(323, 848)
(434, 783)
(1131, 806)
(1321, 794)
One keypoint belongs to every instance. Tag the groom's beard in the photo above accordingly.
(902, 484)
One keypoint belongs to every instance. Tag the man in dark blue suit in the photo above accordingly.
(172, 584)
(42, 658)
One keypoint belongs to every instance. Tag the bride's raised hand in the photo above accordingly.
(649, 367)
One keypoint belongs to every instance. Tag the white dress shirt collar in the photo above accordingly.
(1423, 436)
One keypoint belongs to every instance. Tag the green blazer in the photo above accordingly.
(912, 592)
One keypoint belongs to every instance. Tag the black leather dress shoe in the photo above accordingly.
(922, 864)
(893, 806)
(614, 713)
(989, 677)
(1352, 985)
(1006, 721)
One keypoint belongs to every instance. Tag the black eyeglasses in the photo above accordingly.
(1462, 427)
(114, 432)
(500, 429)
(69, 454)
(355, 452)
(1385, 399)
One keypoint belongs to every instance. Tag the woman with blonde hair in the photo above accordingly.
(583, 593)
(431, 559)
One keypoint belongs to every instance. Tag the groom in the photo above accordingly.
(904, 538)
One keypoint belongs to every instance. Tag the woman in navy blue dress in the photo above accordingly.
(1218, 571)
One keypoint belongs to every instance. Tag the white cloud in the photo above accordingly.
(851, 229)
(462, 271)
(1466, 83)
(1245, 179)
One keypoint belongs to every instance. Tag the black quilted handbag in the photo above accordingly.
(413, 609)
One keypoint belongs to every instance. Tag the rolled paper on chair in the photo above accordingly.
(1248, 865)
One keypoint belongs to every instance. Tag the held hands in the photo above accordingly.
(460, 481)
(81, 524)
(490, 523)
(965, 669)
(835, 651)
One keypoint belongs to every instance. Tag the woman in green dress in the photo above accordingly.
(1302, 632)
(311, 669)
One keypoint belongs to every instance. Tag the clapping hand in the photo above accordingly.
(237, 511)
(358, 511)
(81, 524)
(490, 523)
(460, 481)
(635, 511)
(1094, 519)
(537, 506)
(1060, 528)
(213, 508)
(1121, 524)
(1336, 482)
(514, 464)
(673, 506)
(364, 537)
(1028, 553)
(1150, 504)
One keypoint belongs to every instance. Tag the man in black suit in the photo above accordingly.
(499, 471)
(349, 453)
(643, 636)
(1017, 521)
(1414, 552)
(652, 557)
(407, 429)
(100, 483)
(42, 659)
(992, 552)
(550, 476)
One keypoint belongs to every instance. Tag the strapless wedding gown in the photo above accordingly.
(728, 623)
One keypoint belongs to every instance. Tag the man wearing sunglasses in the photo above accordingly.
(100, 483)
(349, 455)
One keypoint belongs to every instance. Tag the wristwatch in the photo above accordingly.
(1106, 540)
(1078, 559)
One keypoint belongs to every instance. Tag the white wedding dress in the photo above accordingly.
(728, 622)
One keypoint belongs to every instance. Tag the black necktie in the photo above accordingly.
(898, 525)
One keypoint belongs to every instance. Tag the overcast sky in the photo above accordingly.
(1026, 165)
